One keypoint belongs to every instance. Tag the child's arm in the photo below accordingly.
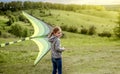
(58, 47)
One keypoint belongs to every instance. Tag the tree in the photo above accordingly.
(12, 19)
(92, 30)
(1, 5)
(19, 30)
(27, 5)
(117, 29)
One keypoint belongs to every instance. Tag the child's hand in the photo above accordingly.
(63, 48)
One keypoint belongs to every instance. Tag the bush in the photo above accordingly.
(22, 18)
(10, 22)
(6, 35)
(8, 12)
(1, 12)
(105, 34)
(91, 30)
(84, 31)
(117, 31)
(19, 30)
(0, 32)
(64, 27)
(72, 29)
(12, 19)
(25, 32)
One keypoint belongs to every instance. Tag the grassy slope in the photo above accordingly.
(84, 54)
(91, 55)
(112, 7)
(102, 20)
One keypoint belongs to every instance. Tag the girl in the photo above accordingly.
(56, 50)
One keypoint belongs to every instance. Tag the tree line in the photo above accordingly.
(19, 5)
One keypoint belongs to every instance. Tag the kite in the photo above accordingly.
(41, 30)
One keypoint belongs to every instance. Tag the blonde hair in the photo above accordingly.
(55, 30)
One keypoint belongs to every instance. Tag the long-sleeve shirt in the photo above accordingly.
(56, 49)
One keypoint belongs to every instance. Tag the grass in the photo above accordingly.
(91, 55)
(84, 55)
(102, 20)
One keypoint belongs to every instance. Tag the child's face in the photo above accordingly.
(58, 34)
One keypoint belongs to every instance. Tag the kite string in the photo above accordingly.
(23, 39)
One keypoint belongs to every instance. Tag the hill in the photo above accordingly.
(102, 20)
(84, 54)
(69, 20)
(112, 7)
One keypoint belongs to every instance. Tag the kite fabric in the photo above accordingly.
(41, 31)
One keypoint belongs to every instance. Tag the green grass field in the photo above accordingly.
(102, 20)
(84, 54)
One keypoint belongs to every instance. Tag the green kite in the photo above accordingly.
(41, 30)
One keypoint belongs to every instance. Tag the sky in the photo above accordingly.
(95, 2)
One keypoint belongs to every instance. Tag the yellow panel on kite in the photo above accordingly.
(40, 29)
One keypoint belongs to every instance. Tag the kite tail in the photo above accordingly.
(9, 43)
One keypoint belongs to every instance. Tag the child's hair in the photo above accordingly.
(55, 30)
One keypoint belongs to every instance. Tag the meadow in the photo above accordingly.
(102, 20)
(84, 54)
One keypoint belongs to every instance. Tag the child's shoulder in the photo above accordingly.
(52, 38)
